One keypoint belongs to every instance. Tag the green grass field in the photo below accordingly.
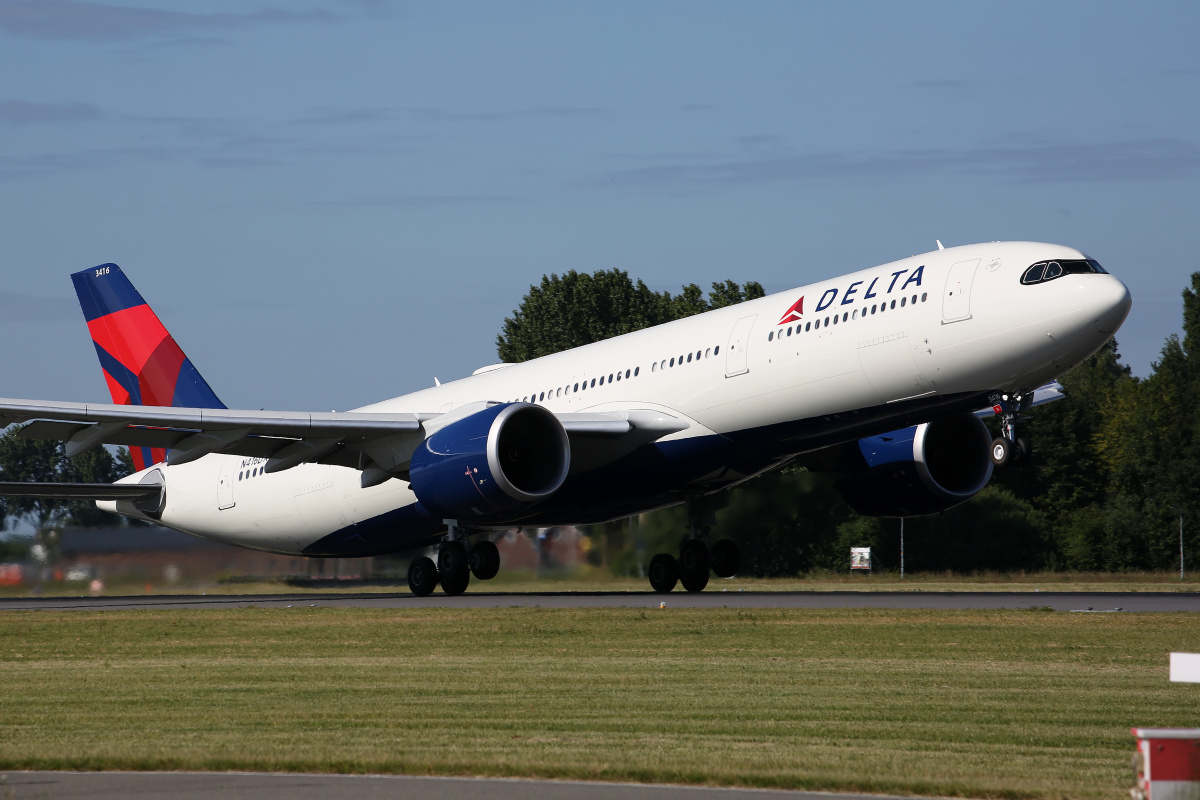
(981, 704)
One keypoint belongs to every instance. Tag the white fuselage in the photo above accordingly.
(973, 328)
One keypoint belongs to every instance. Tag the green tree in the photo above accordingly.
(37, 460)
(579, 308)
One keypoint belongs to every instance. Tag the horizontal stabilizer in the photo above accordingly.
(80, 491)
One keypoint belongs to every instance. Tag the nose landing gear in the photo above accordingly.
(1008, 446)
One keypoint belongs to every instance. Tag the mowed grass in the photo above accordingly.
(972, 703)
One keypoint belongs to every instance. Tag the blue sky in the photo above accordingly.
(331, 203)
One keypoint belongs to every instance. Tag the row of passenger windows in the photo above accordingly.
(667, 363)
(846, 316)
(582, 386)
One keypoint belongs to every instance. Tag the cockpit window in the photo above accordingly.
(1049, 270)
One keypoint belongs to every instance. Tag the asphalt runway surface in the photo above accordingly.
(1059, 601)
(290, 786)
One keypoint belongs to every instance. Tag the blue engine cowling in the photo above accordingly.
(496, 461)
(920, 470)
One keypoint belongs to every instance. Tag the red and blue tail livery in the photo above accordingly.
(142, 364)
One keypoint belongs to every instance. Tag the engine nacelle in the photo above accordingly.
(495, 461)
(919, 470)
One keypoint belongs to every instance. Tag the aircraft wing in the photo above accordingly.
(381, 441)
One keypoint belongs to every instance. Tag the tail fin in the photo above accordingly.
(142, 363)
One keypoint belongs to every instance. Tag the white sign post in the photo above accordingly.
(860, 558)
(1185, 667)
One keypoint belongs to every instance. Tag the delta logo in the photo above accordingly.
(794, 313)
(851, 294)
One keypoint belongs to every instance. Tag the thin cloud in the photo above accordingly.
(98, 22)
(23, 112)
(420, 201)
(1140, 159)
(387, 114)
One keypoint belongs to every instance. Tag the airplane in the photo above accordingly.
(876, 376)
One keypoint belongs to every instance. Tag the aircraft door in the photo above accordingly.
(956, 300)
(737, 351)
(225, 483)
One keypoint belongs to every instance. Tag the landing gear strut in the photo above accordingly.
(1008, 446)
(696, 560)
(458, 559)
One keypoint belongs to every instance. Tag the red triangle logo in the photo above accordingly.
(794, 313)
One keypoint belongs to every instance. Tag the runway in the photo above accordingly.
(292, 786)
(1058, 601)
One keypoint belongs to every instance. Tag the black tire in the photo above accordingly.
(453, 570)
(1001, 451)
(485, 560)
(1025, 449)
(422, 576)
(664, 573)
(726, 560)
(694, 581)
(693, 558)
(694, 563)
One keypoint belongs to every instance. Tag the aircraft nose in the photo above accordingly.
(1109, 301)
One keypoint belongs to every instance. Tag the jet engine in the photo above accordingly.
(920, 470)
(495, 461)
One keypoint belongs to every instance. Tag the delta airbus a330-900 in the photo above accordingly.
(877, 376)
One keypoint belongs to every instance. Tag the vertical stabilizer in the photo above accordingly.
(142, 364)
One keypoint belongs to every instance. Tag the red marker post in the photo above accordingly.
(1167, 764)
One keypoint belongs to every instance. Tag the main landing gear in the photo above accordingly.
(696, 559)
(1008, 447)
(458, 559)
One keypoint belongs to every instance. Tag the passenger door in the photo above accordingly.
(737, 350)
(956, 300)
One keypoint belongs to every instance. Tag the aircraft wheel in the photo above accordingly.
(726, 560)
(453, 570)
(485, 560)
(664, 573)
(1025, 449)
(1001, 451)
(422, 576)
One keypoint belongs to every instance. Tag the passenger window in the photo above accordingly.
(689, 358)
(789, 331)
(827, 322)
(601, 380)
(914, 300)
(593, 384)
(903, 302)
(771, 336)
(835, 319)
(807, 327)
(708, 352)
(845, 316)
(716, 349)
(636, 370)
(817, 324)
(893, 304)
(872, 309)
(576, 389)
(924, 296)
(627, 374)
(672, 362)
(697, 355)
(855, 314)
(654, 367)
